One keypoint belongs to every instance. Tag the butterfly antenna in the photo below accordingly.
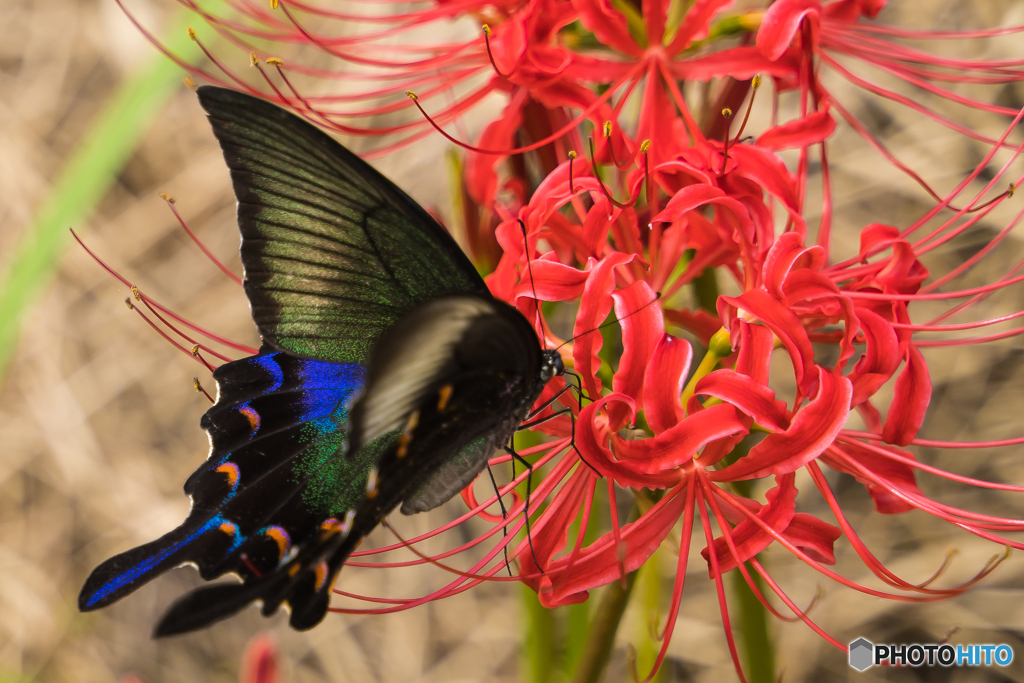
(610, 322)
(533, 286)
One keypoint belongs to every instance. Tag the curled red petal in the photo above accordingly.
(591, 435)
(814, 536)
(664, 381)
(910, 400)
(785, 325)
(754, 399)
(755, 357)
(881, 356)
(899, 474)
(595, 304)
(599, 564)
(812, 430)
(608, 25)
(780, 24)
(802, 132)
(642, 328)
(678, 445)
(553, 281)
(748, 537)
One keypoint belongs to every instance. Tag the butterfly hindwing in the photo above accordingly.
(276, 470)
(334, 253)
(481, 379)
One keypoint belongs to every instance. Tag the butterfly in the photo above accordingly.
(387, 376)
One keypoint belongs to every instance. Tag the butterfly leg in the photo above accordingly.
(511, 450)
(504, 516)
(572, 440)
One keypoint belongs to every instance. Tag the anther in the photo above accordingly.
(200, 390)
(189, 82)
(644, 146)
(273, 61)
(273, 4)
(195, 349)
(167, 198)
(411, 95)
(135, 293)
(191, 33)
(755, 82)
(253, 59)
(727, 113)
(1010, 190)
(487, 29)
(128, 303)
(572, 158)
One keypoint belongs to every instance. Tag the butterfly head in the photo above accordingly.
(551, 365)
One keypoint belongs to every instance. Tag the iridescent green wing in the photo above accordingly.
(334, 253)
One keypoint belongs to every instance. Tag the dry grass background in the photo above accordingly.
(99, 421)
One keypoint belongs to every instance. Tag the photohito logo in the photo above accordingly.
(864, 654)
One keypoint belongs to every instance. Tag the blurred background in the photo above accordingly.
(99, 418)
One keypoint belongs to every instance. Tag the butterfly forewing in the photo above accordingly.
(334, 253)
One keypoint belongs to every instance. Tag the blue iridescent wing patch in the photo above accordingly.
(277, 469)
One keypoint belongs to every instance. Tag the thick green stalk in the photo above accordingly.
(604, 625)
(83, 181)
(537, 658)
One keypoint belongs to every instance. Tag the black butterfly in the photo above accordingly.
(388, 374)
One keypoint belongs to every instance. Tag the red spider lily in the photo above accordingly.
(678, 436)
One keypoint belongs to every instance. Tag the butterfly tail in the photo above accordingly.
(306, 589)
(205, 606)
(125, 573)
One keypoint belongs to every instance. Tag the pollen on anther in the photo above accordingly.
(135, 293)
(755, 83)
(487, 29)
(128, 303)
(727, 113)
(607, 129)
(572, 154)
(228, 528)
(195, 349)
(411, 95)
(167, 198)
(191, 33)
(273, 61)
(189, 82)
(253, 59)
(645, 145)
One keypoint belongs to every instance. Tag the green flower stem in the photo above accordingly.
(84, 180)
(604, 625)
(537, 658)
(758, 653)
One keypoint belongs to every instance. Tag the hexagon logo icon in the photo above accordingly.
(862, 654)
